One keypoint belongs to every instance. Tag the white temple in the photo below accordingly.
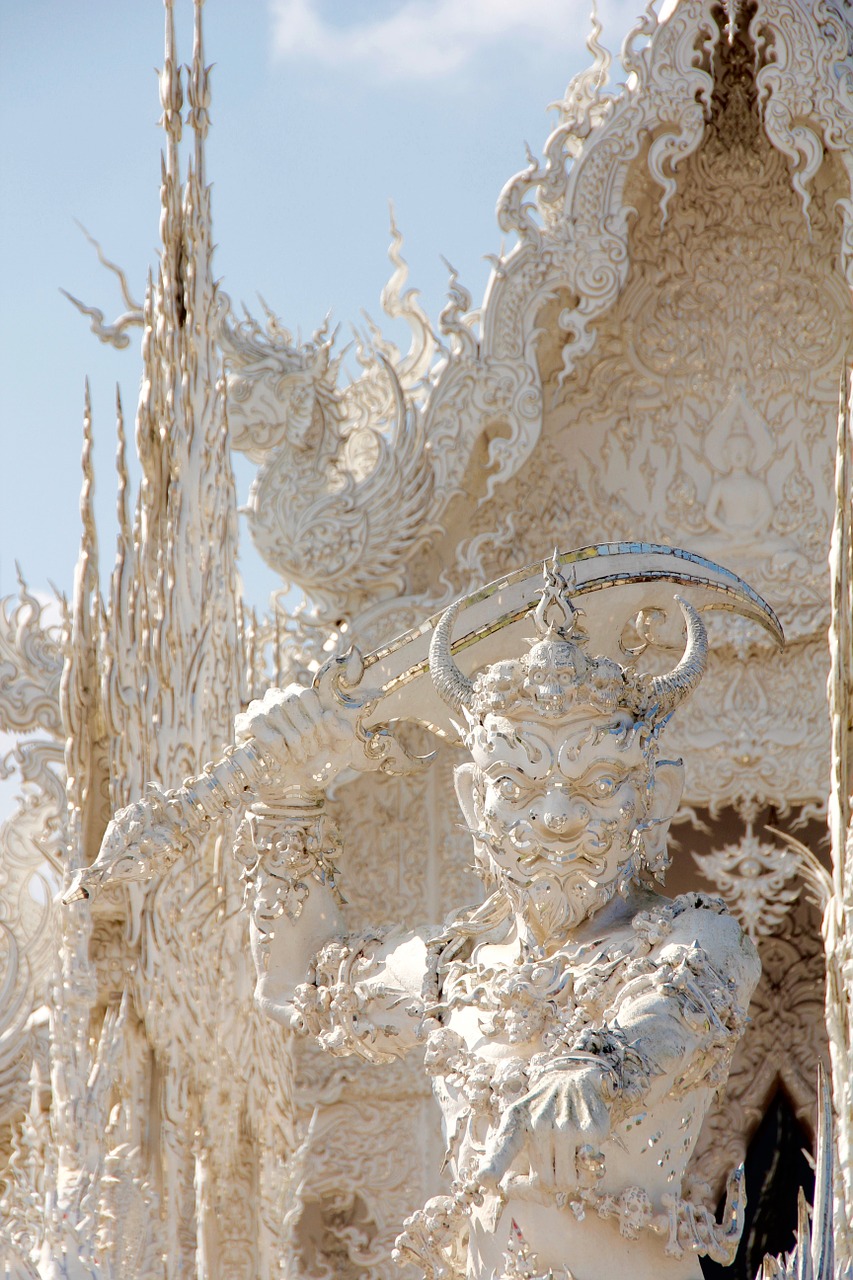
(660, 361)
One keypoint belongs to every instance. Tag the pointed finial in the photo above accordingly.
(198, 92)
(732, 8)
(87, 492)
(122, 508)
(251, 640)
(601, 57)
(86, 572)
(171, 93)
(555, 613)
(277, 655)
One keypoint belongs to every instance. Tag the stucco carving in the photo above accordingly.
(700, 416)
(30, 666)
(31, 844)
(657, 356)
(572, 1026)
(756, 880)
(30, 848)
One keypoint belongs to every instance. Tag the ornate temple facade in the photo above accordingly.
(661, 357)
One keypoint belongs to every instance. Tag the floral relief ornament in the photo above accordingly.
(754, 878)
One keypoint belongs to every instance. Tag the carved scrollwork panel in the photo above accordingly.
(705, 415)
(30, 844)
(30, 666)
(755, 880)
(358, 1191)
(759, 732)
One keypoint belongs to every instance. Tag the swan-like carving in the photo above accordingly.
(345, 489)
(355, 477)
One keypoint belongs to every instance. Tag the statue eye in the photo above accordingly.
(605, 785)
(507, 788)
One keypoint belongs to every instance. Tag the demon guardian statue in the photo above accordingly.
(577, 1023)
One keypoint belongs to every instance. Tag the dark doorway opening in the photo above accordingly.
(775, 1170)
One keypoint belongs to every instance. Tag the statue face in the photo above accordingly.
(739, 452)
(565, 796)
(270, 407)
(560, 804)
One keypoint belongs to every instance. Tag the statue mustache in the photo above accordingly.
(588, 850)
(593, 841)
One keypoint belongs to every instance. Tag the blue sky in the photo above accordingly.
(322, 111)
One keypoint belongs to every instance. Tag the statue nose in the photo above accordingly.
(561, 813)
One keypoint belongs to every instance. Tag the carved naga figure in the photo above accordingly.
(577, 1022)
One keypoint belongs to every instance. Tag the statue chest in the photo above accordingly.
(499, 1027)
(503, 1020)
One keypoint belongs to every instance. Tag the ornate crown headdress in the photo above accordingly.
(556, 674)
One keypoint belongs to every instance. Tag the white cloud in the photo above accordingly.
(423, 39)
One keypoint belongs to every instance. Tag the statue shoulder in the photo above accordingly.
(700, 920)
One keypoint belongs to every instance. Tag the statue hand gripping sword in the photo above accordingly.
(577, 1022)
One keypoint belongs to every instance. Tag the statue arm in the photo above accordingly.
(712, 507)
(681, 1013)
(291, 744)
(288, 744)
(362, 995)
(288, 747)
(353, 995)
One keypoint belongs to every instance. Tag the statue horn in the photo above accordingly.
(662, 694)
(452, 686)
